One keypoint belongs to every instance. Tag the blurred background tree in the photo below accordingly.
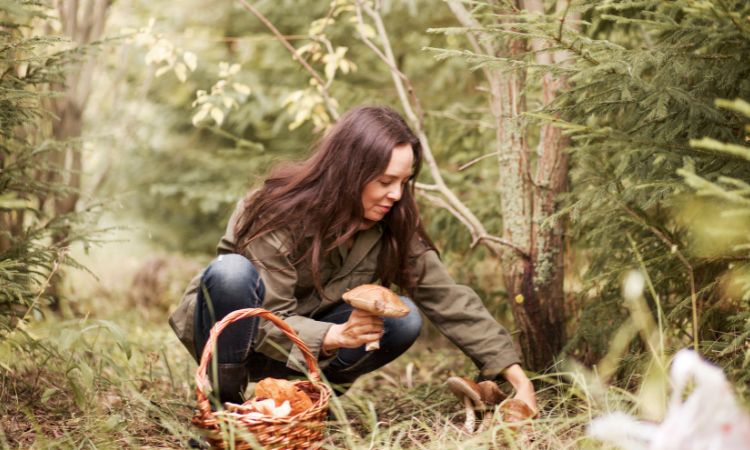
(34, 235)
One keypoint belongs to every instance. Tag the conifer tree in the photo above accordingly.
(639, 82)
(28, 255)
(717, 223)
(644, 84)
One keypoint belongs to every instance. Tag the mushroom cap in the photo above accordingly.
(377, 300)
(281, 391)
(491, 393)
(515, 410)
(465, 388)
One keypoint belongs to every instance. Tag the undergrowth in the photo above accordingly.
(115, 376)
(121, 382)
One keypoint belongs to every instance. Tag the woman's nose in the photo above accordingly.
(395, 194)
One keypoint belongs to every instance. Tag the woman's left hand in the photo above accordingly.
(523, 386)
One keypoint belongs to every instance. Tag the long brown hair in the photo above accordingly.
(319, 200)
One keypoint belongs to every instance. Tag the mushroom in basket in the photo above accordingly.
(277, 398)
(281, 391)
(376, 300)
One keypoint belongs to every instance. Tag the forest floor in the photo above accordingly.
(76, 387)
(113, 375)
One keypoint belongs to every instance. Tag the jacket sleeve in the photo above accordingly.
(458, 312)
(270, 256)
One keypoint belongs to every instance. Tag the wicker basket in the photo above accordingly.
(298, 432)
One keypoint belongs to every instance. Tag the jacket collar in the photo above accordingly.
(363, 243)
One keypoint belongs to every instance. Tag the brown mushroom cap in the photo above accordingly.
(281, 390)
(377, 300)
(491, 393)
(464, 388)
(515, 410)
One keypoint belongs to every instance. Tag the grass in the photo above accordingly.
(113, 375)
(121, 382)
(89, 383)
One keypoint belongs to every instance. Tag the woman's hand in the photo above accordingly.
(524, 388)
(361, 328)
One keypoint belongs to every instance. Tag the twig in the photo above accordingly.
(476, 160)
(46, 283)
(329, 104)
(401, 81)
(463, 16)
(440, 202)
(426, 187)
(521, 252)
(476, 239)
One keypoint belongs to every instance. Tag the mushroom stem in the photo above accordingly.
(376, 300)
(486, 421)
(470, 417)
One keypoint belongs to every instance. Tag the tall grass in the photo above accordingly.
(125, 383)
(118, 378)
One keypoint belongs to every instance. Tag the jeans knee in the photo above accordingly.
(411, 324)
(232, 278)
(406, 329)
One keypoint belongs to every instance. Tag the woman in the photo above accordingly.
(344, 217)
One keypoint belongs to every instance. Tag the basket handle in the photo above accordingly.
(201, 377)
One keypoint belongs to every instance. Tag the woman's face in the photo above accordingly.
(380, 194)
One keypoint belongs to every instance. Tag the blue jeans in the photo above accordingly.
(232, 282)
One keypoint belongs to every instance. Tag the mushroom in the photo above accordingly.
(376, 300)
(515, 410)
(283, 391)
(517, 414)
(490, 393)
(469, 394)
(475, 397)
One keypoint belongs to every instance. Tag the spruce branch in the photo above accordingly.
(673, 247)
(61, 254)
(476, 160)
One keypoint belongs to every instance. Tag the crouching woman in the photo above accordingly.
(346, 216)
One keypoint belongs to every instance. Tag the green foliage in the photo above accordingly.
(122, 381)
(184, 179)
(91, 382)
(203, 141)
(644, 81)
(29, 253)
(719, 231)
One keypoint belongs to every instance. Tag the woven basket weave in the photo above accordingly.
(298, 432)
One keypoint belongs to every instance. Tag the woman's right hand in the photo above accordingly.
(361, 328)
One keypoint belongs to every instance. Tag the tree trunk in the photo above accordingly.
(83, 23)
(534, 282)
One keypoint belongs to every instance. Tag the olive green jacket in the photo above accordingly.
(455, 310)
